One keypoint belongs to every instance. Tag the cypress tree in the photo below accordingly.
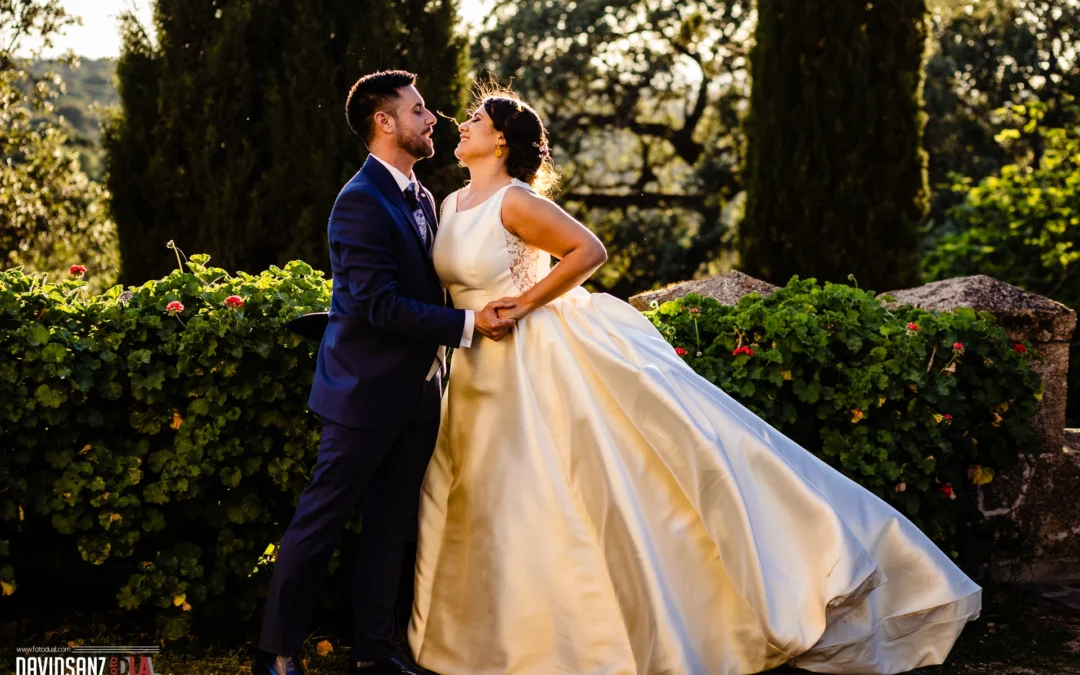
(232, 138)
(835, 171)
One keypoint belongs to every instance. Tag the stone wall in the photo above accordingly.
(726, 289)
(1042, 495)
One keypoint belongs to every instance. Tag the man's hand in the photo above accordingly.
(489, 324)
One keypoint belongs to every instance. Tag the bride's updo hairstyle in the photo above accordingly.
(529, 157)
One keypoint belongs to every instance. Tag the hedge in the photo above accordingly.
(161, 429)
(155, 440)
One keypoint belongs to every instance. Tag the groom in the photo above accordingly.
(378, 384)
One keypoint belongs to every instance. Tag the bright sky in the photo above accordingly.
(98, 36)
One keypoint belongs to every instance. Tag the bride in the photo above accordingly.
(595, 507)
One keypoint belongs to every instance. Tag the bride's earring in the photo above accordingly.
(498, 151)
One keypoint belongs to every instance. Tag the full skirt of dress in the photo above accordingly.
(595, 507)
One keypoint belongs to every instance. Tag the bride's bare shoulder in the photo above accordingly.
(522, 195)
(522, 204)
(450, 199)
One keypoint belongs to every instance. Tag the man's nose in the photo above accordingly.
(433, 118)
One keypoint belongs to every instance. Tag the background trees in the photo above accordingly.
(835, 171)
(51, 212)
(232, 138)
(987, 55)
(642, 100)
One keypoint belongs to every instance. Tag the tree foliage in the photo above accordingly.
(987, 55)
(51, 213)
(835, 171)
(619, 82)
(642, 100)
(232, 137)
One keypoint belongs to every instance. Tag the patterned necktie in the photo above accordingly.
(418, 214)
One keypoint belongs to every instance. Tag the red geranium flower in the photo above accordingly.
(913, 327)
(680, 351)
(174, 307)
(948, 418)
(694, 310)
(76, 270)
(1019, 348)
(743, 350)
(947, 491)
(958, 347)
(234, 302)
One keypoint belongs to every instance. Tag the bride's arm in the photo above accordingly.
(541, 223)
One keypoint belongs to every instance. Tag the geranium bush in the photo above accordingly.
(163, 431)
(154, 440)
(919, 407)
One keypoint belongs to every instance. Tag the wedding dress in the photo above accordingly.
(595, 507)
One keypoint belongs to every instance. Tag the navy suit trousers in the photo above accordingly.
(385, 468)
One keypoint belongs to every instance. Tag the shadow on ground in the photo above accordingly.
(1023, 630)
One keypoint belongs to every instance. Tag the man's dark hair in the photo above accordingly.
(371, 94)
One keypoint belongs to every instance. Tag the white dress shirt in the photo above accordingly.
(403, 182)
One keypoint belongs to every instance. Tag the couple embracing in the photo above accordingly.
(582, 501)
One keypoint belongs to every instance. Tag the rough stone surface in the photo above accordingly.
(1053, 368)
(1043, 496)
(726, 288)
(1021, 314)
(1048, 325)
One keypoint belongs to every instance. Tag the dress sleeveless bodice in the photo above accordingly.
(478, 260)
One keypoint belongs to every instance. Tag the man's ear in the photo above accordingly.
(385, 121)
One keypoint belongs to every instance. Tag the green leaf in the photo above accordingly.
(36, 334)
(139, 357)
(230, 476)
(53, 352)
(49, 397)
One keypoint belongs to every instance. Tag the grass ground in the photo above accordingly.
(1023, 630)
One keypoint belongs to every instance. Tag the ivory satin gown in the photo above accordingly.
(594, 507)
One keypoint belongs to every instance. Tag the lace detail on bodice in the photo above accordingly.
(523, 260)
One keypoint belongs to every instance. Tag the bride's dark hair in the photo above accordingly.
(529, 157)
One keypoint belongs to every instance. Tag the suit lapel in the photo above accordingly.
(388, 186)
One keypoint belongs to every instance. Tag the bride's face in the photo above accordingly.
(478, 137)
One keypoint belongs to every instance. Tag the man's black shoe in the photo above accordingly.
(265, 663)
(397, 665)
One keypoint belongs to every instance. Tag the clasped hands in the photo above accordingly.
(497, 319)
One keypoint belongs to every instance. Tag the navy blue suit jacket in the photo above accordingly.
(388, 312)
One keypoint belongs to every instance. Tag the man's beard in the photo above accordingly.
(418, 146)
